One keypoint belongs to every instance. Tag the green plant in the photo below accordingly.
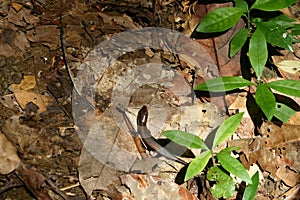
(223, 162)
(255, 37)
(279, 31)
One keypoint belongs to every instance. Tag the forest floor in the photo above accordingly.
(45, 43)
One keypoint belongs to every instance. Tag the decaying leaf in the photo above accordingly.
(288, 63)
(276, 152)
(295, 119)
(17, 6)
(10, 102)
(38, 184)
(20, 134)
(8, 155)
(290, 66)
(279, 136)
(145, 186)
(94, 175)
(24, 93)
(13, 43)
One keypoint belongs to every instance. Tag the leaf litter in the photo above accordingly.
(37, 129)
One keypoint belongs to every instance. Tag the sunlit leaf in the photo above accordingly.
(258, 52)
(289, 66)
(283, 112)
(220, 19)
(227, 128)
(289, 87)
(272, 5)
(185, 139)
(251, 189)
(265, 100)
(224, 186)
(279, 37)
(197, 165)
(225, 83)
(283, 21)
(232, 165)
(238, 41)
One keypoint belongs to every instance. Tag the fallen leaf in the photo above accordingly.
(10, 102)
(295, 119)
(279, 136)
(19, 134)
(94, 175)
(27, 83)
(145, 186)
(276, 151)
(8, 155)
(12, 42)
(34, 181)
(289, 66)
(17, 6)
(47, 34)
(289, 176)
(24, 94)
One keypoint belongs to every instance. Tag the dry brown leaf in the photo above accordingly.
(119, 20)
(145, 186)
(276, 152)
(25, 97)
(288, 63)
(10, 102)
(94, 175)
(8, 155)
(191, 18)
(12, 42)
(279, 136)
(295, 119)
(17, 6)
(37, 183)
(21, 135)
(27, 83)
(24, 94)
(289, 66)
(289, 176)
(47, 34)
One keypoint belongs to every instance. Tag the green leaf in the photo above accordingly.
(296, 30)
(185, 139)
(220, 19)
(289, 87)
(283, 21)
(224, 186)
(283, 112)
(225, 83)
(232, 165)
(265, 100)
(241, 4)
(272, 5)
(279, 37)
(251, 189)
(197, 165)
(258, 52)
(238, 41)
(227, 128)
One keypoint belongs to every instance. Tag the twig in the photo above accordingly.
(63, 49)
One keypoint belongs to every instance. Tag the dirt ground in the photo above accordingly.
(43, 44)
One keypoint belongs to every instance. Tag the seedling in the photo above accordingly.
(223, 162)
(278, 31)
